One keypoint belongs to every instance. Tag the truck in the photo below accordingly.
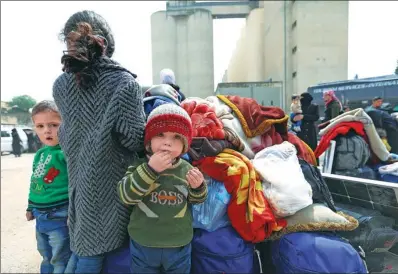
(358, 93)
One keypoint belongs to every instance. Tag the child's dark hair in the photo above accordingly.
(44, 106)
(91, 38)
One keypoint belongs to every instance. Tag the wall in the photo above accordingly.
(322, 42)
(247, 62)
(184, 43)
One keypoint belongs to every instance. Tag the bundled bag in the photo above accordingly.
(364, 172)
(320, 190)
(212, 213)
(316, 217)
(222, 251)
(315, 252)
(284, 184)
(351, 152)
(375, 232)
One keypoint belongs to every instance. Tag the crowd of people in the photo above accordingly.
(105, 150)
(305, 115)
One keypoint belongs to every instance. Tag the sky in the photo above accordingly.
(31, 51)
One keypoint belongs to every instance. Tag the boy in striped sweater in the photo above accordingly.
(161, 187)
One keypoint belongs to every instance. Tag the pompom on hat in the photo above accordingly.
(169, 118)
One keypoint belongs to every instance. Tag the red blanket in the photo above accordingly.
(340, 129)
(254, 118)
(248, 210)
(204, 120)
(303, 150)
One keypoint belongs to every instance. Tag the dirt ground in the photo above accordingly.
(18, 242)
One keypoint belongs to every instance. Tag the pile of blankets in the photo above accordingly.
(228, 132)
(359, 121)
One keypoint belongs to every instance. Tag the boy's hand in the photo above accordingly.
(195, 178)
(160, 161)
(29, 216)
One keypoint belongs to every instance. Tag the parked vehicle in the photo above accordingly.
(6, 139)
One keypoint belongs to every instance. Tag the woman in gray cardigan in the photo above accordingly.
(101, 133)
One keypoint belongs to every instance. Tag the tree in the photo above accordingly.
(396, 69)
(23, 102)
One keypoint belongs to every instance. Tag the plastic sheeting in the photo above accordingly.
(284, 184)
(212, 214)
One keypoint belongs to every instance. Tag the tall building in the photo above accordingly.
(303, 43)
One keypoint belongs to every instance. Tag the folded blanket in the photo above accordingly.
(150, 103)
(204, 120)
(202, 147)
(255, 118)
(360, 115)
(303, 150)
(162, 90)
(391, 169)
(248, 210)
(340, 129)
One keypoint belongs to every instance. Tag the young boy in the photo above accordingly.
(48, 195)
(162, 186)
(295, 109)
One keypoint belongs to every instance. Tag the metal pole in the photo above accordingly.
(284, 55)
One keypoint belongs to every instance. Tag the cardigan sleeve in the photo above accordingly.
(130, 120)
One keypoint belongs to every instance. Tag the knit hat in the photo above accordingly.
(169, 118)
(167, 76)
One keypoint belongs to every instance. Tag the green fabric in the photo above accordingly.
(162, 215)
(334, 109)
(49, 180)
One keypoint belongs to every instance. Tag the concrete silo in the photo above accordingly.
(247, 61)
(183, 42)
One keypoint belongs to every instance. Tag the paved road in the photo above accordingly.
(18, 242)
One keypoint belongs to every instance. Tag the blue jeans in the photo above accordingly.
(52, 236)
(115, 261)
(160, 260)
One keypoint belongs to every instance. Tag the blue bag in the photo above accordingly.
(212, 213)
(315, 252)
(222, 251)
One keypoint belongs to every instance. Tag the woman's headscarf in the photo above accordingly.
(306, 99)
(332, 97)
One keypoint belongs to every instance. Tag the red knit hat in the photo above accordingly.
(169, 118)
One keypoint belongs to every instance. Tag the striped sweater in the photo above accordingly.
(162, 215)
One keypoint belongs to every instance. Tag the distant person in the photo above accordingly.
(386, 126)
(167, 77)
(102, 133)
(48, 194)
(16, 143)
(376, 103)
(333, 106)
(346, 108)
(295, 109)
(310, 115)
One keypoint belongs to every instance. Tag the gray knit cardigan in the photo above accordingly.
(102, 130)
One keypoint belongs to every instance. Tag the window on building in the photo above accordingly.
(5, 134)
(294, 50)
(294, 24)
(294, 74)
